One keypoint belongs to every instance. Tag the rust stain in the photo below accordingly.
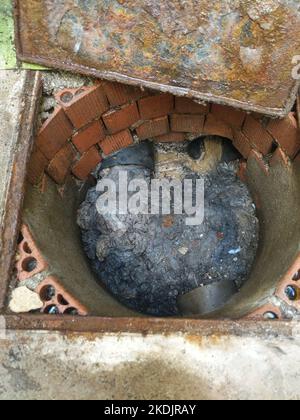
(233, 52)
(195, 340)
(168, 221)
(81, 326)
(201, 341)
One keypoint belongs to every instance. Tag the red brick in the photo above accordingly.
(153, 128)
(286, 134)
(88, 106)
(298, 108)
(54, 133)
(120, 94)
(118, 120)
(65, 96)
(116, 142)
(260, 160)
(170, 138)
(290, 278)
(87, 163)
(89, 136)
(187, 123)
(229, 115)
(258, 136)
(215, 127)
(37, 165)
(156, 106)
(59, 298)
(279, 157)
(257, 116)
(60, 167)
(30, 261)
(242, 144)
(188, 106)
(242, 172)
(292, 116)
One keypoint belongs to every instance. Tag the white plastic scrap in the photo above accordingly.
(235, 251)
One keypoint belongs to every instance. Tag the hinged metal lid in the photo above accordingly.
(240, 53)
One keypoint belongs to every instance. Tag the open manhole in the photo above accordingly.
(164, 220)
(237, 258)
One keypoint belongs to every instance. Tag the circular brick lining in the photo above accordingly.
(92, 122)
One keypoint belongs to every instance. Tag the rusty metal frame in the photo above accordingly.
(145, 326)
(66, 63)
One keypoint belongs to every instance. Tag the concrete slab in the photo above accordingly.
(11, 88)
(43, 365)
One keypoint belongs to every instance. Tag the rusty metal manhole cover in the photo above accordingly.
(231, 52)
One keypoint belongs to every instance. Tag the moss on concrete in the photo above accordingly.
(8, 58)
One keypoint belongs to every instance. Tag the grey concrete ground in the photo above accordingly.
(11, 85)
(45, 365)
